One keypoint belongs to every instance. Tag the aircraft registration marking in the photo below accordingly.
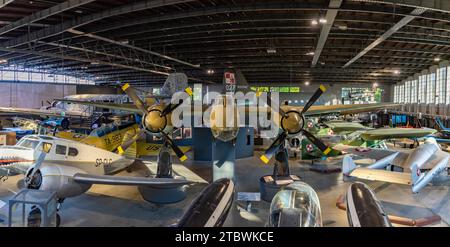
(105, 162)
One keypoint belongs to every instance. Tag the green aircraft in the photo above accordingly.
(355, 134)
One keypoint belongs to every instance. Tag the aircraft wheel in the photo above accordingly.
(65, 123)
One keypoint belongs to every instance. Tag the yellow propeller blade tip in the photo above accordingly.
(264, 159)
(125, 87)
(323, 88)
(189, 91)
(120, 150)
(183, 158)
(327, 151)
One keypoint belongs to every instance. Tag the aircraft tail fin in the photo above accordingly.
(175, 82)
(234, 81)
(384, 162)
(348, 165)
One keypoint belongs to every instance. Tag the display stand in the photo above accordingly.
(168, 194)
(224, 158)
(270, 184)
(33, 208)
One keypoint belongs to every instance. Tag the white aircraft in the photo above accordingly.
(68, 167)
(427, 157)
(65, 110)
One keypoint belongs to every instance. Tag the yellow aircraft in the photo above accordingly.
(110, 137)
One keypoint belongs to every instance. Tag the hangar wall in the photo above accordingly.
(334, 91)
(32, 95)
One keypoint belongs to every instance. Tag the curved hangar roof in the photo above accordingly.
(270, 41)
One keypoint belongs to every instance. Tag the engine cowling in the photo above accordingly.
(57, 178)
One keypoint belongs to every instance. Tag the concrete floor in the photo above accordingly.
(105, 205)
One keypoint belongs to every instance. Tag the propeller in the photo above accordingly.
(30, 178)
(154, 120)
(293, 122)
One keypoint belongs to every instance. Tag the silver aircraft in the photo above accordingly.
(69, 168)
(418, 166)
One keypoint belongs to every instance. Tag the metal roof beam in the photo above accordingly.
(3, 3)
(435, 5)
(330, 17)
(94, 36)
(43, 14)
(74, 23)
(404, 21)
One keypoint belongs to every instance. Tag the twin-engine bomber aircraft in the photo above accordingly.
(157, 115)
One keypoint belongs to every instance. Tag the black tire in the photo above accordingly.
(65, 123)
(58, 220)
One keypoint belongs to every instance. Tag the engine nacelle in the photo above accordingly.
(59, 179)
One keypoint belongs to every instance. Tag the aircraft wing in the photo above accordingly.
(38, 112)
(396, 133)
(113, 106)
(346, 109)
(71, 136)
(133, 181)
(344, 126)
(152, 149)
(376, 154)
(382, 175)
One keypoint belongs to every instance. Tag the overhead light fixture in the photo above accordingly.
(342, 27)
(437, 59)
(396, 72)
(322, 63)
(94, 63)
(79, 11)
(210, 71)
(314, 22)
(306, 83)
(323, 20)
(311, 53)
(3, 61)
(271, 50)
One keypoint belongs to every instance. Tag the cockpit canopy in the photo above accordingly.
(296, 206)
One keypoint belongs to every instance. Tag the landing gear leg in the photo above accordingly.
(58, 207)
(281, 167)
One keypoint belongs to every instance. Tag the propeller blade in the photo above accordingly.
(37, 165)
(133, 96)
(174, 147)
(314, 98)
(170, 107)
(270, 152)
(121, 149)
(324, 148)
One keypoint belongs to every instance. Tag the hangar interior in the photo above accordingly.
(349, 101)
